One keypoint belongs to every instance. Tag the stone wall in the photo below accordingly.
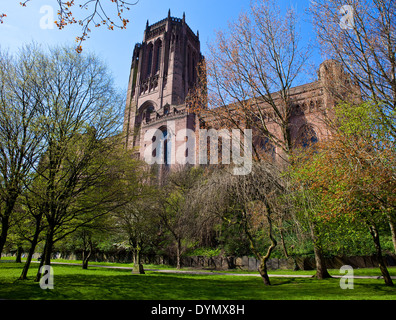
(250, 263)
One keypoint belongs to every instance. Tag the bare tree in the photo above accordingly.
(249, 72)
(246, 81)
(361, 35)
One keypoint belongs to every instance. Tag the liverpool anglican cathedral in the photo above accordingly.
(164, 69)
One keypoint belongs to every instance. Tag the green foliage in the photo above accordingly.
(233, 240)
(345, 184)
(366, 120)
(205, 252)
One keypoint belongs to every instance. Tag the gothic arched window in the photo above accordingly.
(267, 147)
(307, 136)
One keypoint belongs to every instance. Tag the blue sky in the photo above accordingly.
(22, 26)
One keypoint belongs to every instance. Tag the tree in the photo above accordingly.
(80, 117)
(20, 134)
(352, 175)
(361, 35)
(307, 206)
(34, 225)
(246, 79)
(88, 237)
(135, 218)
(139, 227)
(97, 14)
(175, 210)
(254, 202)
(19, 228)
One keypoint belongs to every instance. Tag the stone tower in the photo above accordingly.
(163, 70)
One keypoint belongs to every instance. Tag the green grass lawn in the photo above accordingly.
(74, 283)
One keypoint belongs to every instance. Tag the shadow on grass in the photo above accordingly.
(73, 283)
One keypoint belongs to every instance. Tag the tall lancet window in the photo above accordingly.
(149, 60)
(158, 56)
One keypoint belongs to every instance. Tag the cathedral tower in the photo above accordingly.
(163, 70)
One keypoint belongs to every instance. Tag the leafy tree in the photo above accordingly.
(135, 219)
(20, 133)
(353, 176)
(80, 116)
(17, 239)
(88, 238)
(139, 227)
(175, 210)
(306, 205)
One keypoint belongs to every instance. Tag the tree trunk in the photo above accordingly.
(25, 270)
(381, 262)
(33, 245)
(38, 275)
(392, 224)
(321, 269)
(283, 243)
(46, 258)
(5, 221)
(134, 257)
(85, 259)
(4, 232)
(85, 264)
(263, 261)
(86, 255)
(178, 254)
(19, 252)
(137, 267)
